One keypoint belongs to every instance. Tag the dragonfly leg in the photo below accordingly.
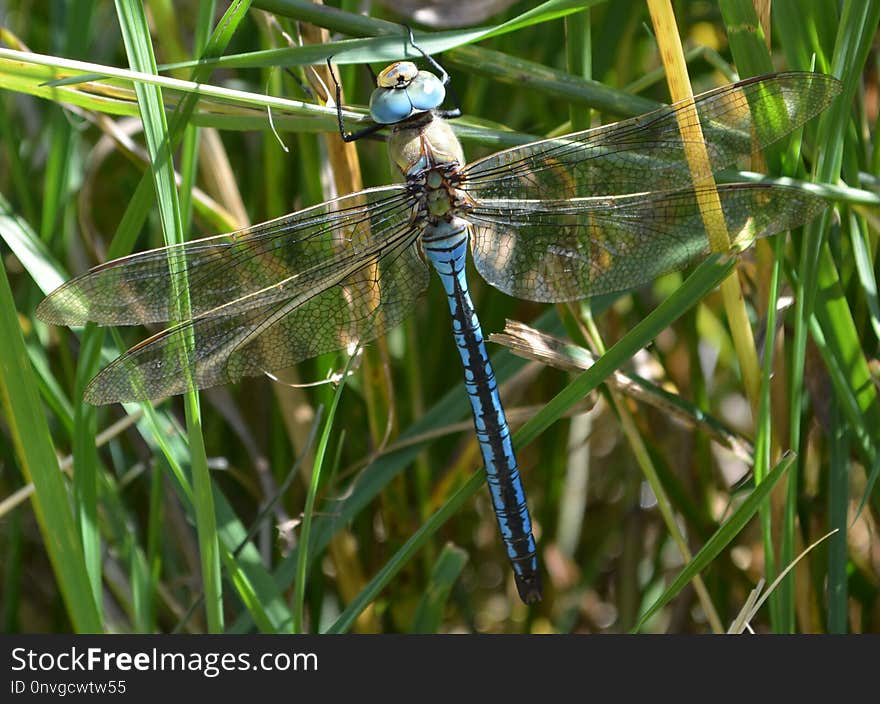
(444, 78)
(348, 136)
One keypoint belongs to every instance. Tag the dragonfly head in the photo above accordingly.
(402, 91)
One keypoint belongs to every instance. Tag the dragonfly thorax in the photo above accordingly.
(430, 158)
(423, 142)
(439, 197)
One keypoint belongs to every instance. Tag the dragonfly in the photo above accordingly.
(593, 212)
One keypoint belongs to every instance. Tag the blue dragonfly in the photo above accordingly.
(593, 212)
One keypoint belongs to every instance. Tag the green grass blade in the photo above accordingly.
(302, 562)
(704, 278)
(356, 24)
(85, 459)
(721, 538)
(133, 23)
(262, 598)
(838, 507)
(76, 25)
(406, 553)
(752, 57)
(446, 571)
(24, 415)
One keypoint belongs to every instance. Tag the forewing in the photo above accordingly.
(570, 249)
(228, 274)
(647, 153)
(211, 350)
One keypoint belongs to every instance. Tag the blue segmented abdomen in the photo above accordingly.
(447, 250)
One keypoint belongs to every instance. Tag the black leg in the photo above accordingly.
(347, 136)
(444, 77)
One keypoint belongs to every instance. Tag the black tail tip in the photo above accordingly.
(529, 588)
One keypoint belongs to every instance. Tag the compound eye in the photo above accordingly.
(397, 75)
(388, 106)
(426, 91)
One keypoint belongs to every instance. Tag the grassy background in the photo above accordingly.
(190, 516)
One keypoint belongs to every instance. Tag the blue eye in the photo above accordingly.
(390, 105)
(426, 91)
(402, 91)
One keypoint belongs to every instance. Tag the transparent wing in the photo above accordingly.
(331, 314)
(647, 153)
(564, 250)
(230, 273)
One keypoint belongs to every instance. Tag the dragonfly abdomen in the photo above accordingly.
(446, 247)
